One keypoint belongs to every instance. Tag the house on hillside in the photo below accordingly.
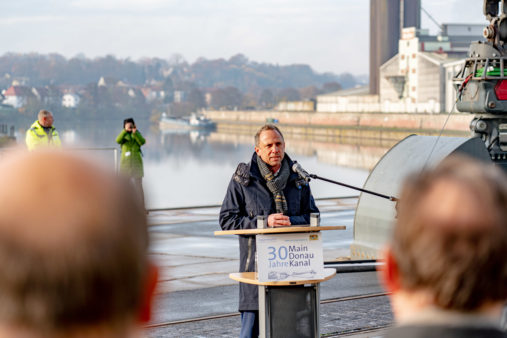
(153, 93)
(136, 94)
(122, 96)
(47, 95)
(106, 81)
(133, 92)
(17, 96)
(179, 96)
(70, 100)
(19, 81)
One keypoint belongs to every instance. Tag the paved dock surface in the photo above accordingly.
(338, 317)
(194, 280)
(349, 318)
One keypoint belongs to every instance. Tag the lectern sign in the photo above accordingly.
(290, 257)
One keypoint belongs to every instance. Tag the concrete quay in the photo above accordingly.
(423, 123)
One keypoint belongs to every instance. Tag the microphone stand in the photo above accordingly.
(391, 198)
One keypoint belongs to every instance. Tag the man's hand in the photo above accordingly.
(278, 220)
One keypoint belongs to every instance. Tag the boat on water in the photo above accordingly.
(192, 122)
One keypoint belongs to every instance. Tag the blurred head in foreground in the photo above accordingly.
(73, 250)
(449, 245)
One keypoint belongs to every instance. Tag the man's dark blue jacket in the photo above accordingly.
(248, 197)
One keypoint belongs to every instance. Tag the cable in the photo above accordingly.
(462, 86)
(431, 18)
(458, 98)
(439, 135)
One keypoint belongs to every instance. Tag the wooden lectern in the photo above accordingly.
(287, 307)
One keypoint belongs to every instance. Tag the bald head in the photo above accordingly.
(73, 243)
(452, 204)
(50, 198)
(450, 237)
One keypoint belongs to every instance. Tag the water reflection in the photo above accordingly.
(190, 167)
(353, 152)
(194, 167)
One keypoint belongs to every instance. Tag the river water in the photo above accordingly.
(189, 168)
(193, 168)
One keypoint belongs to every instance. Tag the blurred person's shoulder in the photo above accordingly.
(448, 331)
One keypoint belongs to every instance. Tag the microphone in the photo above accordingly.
(297, 168)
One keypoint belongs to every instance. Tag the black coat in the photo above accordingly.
(248, 197)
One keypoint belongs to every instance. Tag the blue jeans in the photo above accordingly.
(249, 324)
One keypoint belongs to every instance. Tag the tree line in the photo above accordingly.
(233, 83)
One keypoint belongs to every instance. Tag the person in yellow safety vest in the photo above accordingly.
(42, 133)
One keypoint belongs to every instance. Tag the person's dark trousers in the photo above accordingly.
(249, 324)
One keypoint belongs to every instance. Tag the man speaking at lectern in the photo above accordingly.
(266, 186)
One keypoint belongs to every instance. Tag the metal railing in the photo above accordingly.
(483, 69)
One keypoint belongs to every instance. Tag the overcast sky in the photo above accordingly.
(329, 35)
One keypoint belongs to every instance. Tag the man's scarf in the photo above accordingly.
(276, 184)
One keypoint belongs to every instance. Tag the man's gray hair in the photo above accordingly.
(44, 113)
(264, 128)
(456, 254)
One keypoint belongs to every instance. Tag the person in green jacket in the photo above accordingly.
(131, 163)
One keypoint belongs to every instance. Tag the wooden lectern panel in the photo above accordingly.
(249, 278)
(279, 230)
